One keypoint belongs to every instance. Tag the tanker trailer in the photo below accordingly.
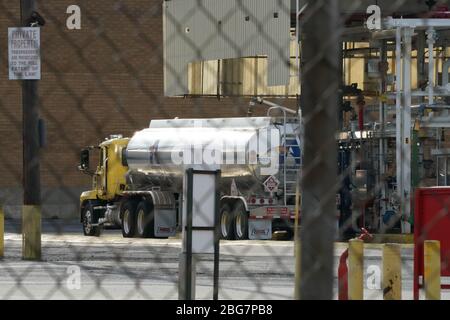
(259, 159)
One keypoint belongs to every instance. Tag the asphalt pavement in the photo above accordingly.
(111, 267)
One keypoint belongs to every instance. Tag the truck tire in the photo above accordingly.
(241, 221)
(226, 222)
(128, 219)
(145, 222)
(89, 217)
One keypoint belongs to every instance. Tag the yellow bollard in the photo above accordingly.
(432, 269)
(2, 232)
(31, 233)
(355, 269)
(392, 272)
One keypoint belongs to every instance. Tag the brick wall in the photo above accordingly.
(103, 79)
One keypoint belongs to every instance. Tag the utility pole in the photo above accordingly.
(320, 85)
(31, 214)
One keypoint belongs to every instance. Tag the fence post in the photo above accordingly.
(392, 272)
(355, 269)
(319, 178)
(432, 269)
(2, 232)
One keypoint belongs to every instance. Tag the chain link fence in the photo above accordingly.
(321, 122)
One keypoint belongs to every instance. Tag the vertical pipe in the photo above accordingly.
(189, 258)
(406, 143)
(392, 272)
(355, 269)
(218, 79)
(216, 237)
(432, 269)
(421, 43)
(382, 168)
(430, 41)
(321, 35)
(297, 40)
(398, 112)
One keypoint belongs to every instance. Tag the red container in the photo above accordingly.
(431, 222)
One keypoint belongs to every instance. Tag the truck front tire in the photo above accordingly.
(129, 219)
(89, 218)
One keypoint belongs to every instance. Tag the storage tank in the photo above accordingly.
(246, 150)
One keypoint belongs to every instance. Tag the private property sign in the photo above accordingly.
(24, 53)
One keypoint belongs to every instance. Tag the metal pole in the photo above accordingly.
(430, 40)
(189, 264)
(216, 238)
(382, 141)
(406, 143)
(399, 115)
(320, 85)
(31, 216)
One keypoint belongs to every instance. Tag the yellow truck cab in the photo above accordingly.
(108, 179)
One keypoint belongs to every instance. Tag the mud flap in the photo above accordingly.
(259, 229)
(165, 222)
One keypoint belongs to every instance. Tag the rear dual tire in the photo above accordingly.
(226, 222)
(129, 219)
(241, 222)
(138, 220)
(233, 222)
(145, 221)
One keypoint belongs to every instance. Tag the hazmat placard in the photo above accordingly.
(24, 48)
(271, 184)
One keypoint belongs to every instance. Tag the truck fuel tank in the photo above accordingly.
(246, 149)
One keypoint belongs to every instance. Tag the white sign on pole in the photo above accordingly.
(24, 48)
(203, 210)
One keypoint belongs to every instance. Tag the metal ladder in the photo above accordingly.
(290, 173)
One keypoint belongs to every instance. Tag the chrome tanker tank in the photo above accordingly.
(247, 150)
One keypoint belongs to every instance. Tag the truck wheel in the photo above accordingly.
(226, 223)
(241, 221)
(145, 222)
(88, 219)
(129, 219)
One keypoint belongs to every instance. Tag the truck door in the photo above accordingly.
(101, 173)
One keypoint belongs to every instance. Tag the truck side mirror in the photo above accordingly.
(84, 160)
